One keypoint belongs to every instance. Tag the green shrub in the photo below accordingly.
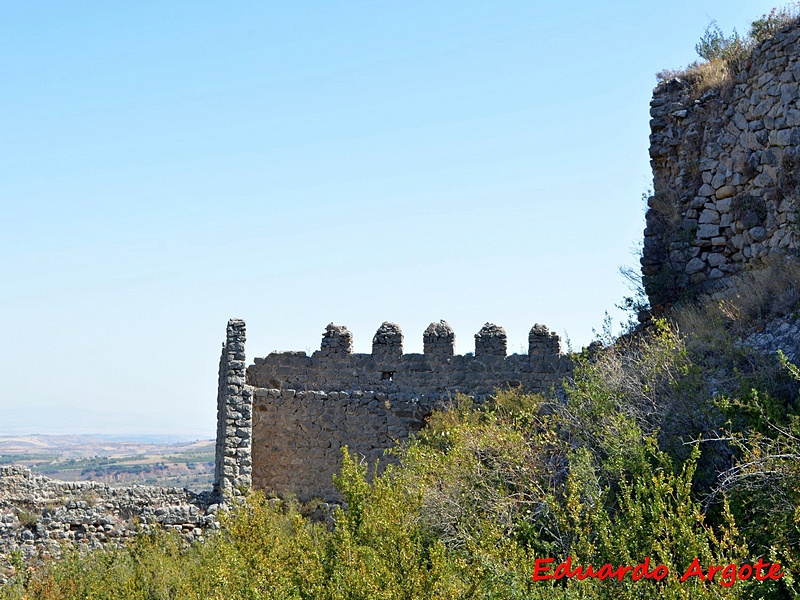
(715, 46)
(764, 485)
(27, 517)
(769, 24)
(724, 56)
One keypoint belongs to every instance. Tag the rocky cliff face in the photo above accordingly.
(726, 169)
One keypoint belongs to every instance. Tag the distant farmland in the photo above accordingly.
(93, 458)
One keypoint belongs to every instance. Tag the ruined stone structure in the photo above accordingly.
(234, 417)
(726, 169)
(280, 425)
(39, 514)
(305, 408)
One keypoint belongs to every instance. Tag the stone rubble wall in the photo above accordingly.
(782, 333)
(726, 169)
(233, 464)
(38, 514)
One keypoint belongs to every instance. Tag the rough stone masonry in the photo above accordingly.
(283, 420)
(726, 174)
(38, 514)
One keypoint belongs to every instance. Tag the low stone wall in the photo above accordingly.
(39, 514)
(782, 334)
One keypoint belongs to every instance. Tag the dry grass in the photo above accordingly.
(763, 293)
(27, 518)
(665, 211)
(702, 77)
(714, 74)
(752, 298)
(726, 56)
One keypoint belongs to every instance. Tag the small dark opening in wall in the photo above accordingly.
(387, 375)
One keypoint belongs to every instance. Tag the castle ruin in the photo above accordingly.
(283, 420)
(726, 166)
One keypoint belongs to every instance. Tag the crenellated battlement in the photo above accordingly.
(438, 338)
(281, 423)
(438, 370)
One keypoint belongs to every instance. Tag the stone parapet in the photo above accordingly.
(435, 372)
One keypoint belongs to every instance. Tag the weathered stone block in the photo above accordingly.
(707, 231)
(708, 216)
(695, 266)
(725, 191)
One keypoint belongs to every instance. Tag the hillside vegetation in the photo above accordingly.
(665, 445)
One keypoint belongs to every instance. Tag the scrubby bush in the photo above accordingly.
(769, 23)
(763, 486)
(724, 55)
(715, 46)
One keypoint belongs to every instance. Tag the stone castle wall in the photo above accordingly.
(305, 408)
(298, 436)
(726, 169)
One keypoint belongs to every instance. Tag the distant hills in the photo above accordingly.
(68, 420)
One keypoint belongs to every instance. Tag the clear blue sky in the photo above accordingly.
(167, 166)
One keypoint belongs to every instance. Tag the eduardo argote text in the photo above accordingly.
(725, 575)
